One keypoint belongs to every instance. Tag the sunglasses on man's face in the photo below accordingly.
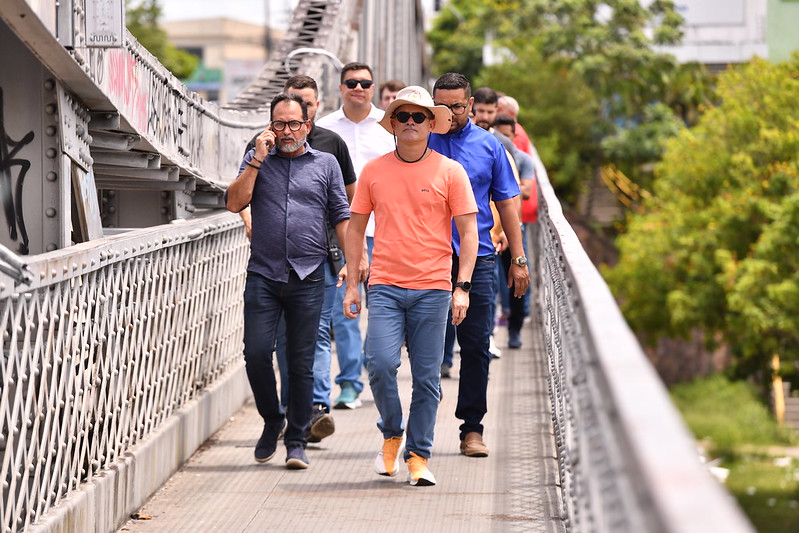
(352, 83)
(404, 116)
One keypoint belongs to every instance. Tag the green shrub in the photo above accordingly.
(728, 415)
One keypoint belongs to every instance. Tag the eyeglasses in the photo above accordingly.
(457, 109)
(404, 116)
(353, 83)
(280, 125)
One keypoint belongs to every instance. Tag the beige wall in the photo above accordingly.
(234, 47)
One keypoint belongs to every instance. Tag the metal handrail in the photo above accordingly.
(627, 461)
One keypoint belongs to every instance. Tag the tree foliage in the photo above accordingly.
(718, 246)
(606, 50)
(557, 111)
(141, 18)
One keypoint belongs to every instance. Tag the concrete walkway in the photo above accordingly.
(221, 488)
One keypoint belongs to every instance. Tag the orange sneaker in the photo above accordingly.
(387, 461)
(418, 473)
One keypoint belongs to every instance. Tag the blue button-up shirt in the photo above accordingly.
(293, 200)
(489, 170)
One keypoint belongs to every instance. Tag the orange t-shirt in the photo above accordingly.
(413, 204)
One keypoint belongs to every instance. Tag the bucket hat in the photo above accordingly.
(413, 94)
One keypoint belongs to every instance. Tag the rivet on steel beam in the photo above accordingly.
(51, 153)
(50, 131)
(51, 176)
(49, 84)
(50, 247)
(50, 109)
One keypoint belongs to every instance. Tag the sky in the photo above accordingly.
(253, 11)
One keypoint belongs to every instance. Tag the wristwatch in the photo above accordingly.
(521, 261)
(465, 285)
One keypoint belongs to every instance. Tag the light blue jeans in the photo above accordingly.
(420, 316)
(349, 345)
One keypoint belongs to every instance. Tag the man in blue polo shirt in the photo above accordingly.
(294, 192)
(491, 176)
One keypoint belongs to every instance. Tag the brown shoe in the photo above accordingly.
(472, 445)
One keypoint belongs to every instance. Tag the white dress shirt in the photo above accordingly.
(366, 140)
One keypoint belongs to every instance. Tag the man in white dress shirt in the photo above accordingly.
(357, 122)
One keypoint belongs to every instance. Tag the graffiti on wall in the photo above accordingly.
(11, 188)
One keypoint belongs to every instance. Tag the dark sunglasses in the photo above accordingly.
(404, 116)
(351, 84)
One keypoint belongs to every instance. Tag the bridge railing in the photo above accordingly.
(110, 339)
(627, 461)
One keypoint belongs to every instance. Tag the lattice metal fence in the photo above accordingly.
(111, 339)
(626, 461)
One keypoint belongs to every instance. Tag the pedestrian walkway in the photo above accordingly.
(221, 488)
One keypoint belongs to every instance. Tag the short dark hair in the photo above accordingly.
(505, 120)
(391, 85)
(301, 81)
(453, 80)
(282, 97)
(355, 66)
(485, 95)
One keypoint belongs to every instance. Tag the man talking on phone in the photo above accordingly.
(293, 191)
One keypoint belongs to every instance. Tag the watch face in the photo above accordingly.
(521, 261)
(465, 285)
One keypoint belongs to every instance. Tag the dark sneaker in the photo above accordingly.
(348, 399)
(267, 444)
(296, 458)
(322, 424)
(514, 339)
(446, 371)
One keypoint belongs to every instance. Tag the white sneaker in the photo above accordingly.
(495, 352)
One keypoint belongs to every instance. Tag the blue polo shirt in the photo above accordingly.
(483, 157)
(293, 200)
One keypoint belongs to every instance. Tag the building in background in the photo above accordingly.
(231, 53)
(718, 33)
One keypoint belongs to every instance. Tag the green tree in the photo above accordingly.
(141, 18)
(557, 111)
(718, 246)
(608, 47)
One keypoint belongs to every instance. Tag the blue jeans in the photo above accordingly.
(300, 301)
(449, 343)
(349, 346)
(321, 360)
(474, 335)
(397, 314)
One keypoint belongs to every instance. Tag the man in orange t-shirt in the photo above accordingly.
(415, 193)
